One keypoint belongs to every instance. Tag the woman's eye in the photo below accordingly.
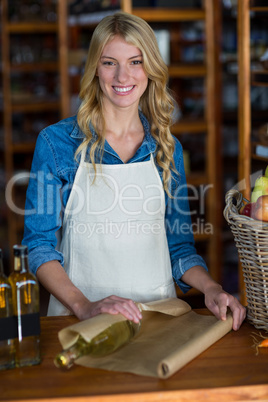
(108, 63)
(137, 62)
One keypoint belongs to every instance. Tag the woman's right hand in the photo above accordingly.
(111, 305)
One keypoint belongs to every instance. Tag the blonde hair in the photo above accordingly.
(156, 103)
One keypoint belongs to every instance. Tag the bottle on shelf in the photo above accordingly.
(7, 348)
(106, 342)
(25, 293)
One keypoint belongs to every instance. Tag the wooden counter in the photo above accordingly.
(227, 371)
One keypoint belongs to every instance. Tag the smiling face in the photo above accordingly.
(121, 75)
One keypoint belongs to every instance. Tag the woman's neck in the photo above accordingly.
(122, 122)
(124, 132)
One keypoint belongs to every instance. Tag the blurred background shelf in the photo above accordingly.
(43, 58)
(34, 86)
(252, 18)
(212, 49)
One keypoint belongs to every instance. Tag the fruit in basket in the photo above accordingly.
(261, 187)
(261, 209)
(248, 209)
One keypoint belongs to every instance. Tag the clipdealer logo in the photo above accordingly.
(50, 193)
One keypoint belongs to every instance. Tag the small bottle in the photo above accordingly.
(7, 333)
(102, 344)
(25, 294)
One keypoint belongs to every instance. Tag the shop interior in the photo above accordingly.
(217, 54)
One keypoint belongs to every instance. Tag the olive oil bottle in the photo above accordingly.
(25, 294)
(102, 344)
(7, 330)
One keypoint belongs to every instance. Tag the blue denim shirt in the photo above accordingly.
(51, 179)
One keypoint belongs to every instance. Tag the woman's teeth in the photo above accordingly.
(125, 89)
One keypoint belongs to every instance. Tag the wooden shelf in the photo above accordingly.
(187, 70)
(52, 66)
(259, 9)
(259, 84)
(28, 104)
(247, 117)
(264, 72)
(196, 179)
(259, 78)
(31, 27)
(202, 237)
(259, 158)
(169, 14)
(189, 126)
(22, 148)
(34, 107)
(255, 156)
(247, 78)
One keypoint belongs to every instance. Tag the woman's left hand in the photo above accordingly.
(217, 301)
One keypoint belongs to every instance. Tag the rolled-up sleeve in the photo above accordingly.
(42, 221)
(179, 225)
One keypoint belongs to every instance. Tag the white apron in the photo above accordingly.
(113, 235)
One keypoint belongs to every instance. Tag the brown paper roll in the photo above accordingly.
(171, 335)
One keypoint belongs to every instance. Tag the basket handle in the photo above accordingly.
(232, 207)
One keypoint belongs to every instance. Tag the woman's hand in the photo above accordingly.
(111, 305)
(217, 301)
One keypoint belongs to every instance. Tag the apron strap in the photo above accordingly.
(83, 155)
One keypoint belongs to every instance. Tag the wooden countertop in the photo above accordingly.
(229, 370)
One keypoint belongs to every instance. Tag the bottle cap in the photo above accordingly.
(20, 250)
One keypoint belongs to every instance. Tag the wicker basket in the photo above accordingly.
(251, 238)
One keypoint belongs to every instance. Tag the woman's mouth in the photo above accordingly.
(123, 90)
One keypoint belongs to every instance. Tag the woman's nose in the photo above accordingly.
(122, 74)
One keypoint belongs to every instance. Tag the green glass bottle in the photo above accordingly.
(25, 294)
(103, 344)
(7, 347)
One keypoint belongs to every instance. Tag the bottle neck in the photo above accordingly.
(21, 264)
(67, 357)
(20, 258)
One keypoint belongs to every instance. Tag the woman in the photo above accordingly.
(112, 181)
